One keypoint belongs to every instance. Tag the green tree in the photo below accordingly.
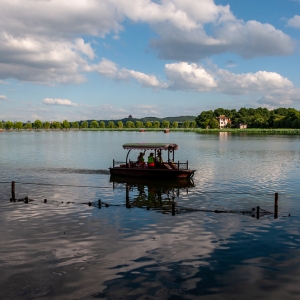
(75, 124)
(175, 124)
(129, 124)
(193, 124)
(213, 123)
(47, 125)
(111, 124)
(84, 124)
(219, 111)
(102, 124)
(204, 118)
(56, 125)
(1, 124)
(156, 124)
(139, 124)
(94, 124)
(37, 124)
(165, 124)
(120, 124)
(148, 124)
(66, 124)
(18, 125)
(186, 124)
(28, 125)
(8, 125)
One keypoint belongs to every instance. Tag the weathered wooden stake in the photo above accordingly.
(13, 195)
(127, 197)
(173, 209)
(99, 203)
(257, 212)
(276, 206)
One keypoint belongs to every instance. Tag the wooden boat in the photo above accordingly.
(165, 169)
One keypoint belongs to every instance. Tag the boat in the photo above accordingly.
(168, 169)
(166, 130)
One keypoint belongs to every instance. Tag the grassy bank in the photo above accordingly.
(200, 130)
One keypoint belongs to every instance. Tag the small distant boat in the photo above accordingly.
(142, 130)
(166, 130)
(164, 169)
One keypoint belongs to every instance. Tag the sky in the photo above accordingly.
(106, 59)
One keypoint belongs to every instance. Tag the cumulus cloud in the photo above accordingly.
(3, 98)
(261, 81)
(184, 76)
(40, 41)
(110, 69)
(294, 22)
(63, 102)
(272, 87)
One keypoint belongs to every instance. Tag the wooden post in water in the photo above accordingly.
(276, 206)
(257, 212)
(173, 208)
(127, 197)
(13, 195)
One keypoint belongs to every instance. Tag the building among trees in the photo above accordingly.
(223, 121)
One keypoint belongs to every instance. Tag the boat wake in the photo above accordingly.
(74, 171)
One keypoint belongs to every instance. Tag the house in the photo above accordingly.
(223, 121)
(241, 126)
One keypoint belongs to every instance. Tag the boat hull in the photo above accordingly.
(151, 173)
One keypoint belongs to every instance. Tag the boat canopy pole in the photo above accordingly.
(173, 155)
(127, 157)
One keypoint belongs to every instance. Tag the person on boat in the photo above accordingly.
(151, 161)
(158, 158)
(140, 159)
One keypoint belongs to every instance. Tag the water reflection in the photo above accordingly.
(152, 194)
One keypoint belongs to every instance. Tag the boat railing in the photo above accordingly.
(182, 166)
(174, 165)
(119, 163)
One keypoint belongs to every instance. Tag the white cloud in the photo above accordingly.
(84, 48)
(184, 76)
(63, 102)
(40, 41)
(110, 69)
(3, 98)
(294, 22)
(248, 40)
(261, 81)
(273, 88)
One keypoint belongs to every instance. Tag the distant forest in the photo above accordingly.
(253, 117)
(130, 122)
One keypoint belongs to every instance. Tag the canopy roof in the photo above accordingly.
(150, 146)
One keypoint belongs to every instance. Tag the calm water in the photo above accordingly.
(68, 249)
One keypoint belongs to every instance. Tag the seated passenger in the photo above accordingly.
(140, 159)
(151, 161)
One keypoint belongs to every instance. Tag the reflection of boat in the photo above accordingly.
(155, 194)
(163, 169)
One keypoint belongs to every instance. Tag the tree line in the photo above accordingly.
(253, 117)
(38, 124)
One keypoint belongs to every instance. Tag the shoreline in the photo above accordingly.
(196, 130)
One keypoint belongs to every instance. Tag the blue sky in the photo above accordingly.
(92, 59)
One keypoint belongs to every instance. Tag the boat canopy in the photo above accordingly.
(150, 146)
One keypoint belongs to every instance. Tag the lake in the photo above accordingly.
(214, 247)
